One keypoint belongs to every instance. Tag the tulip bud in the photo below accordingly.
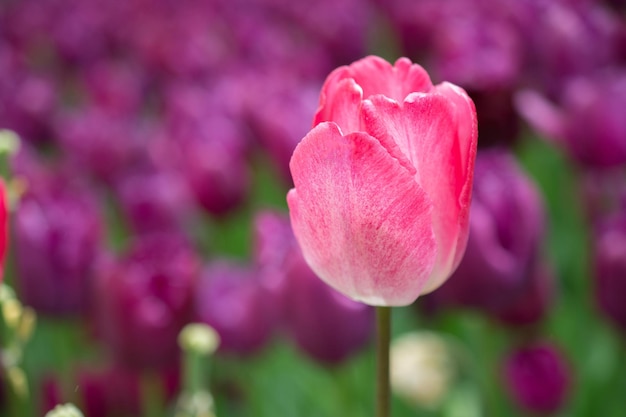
(18, 381)
(537, 377)
(144, 300)
(65, 410)
(199, 338)
(422, 368)
(58, 231)
(229, 298)
(506, 232)
(9, 142)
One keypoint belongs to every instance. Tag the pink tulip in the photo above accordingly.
(383, 181)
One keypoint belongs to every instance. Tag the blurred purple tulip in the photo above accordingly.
(326, 325)
(211, 147)
(117, 87)
(296, 101)
(566, 39)
(27, 104)
(477, 50)
(172, 41)
(268, 44)
(538, 377)
(506, 232)
(217, 173)
(273, 243)
(100, 142)
(80, 30)
(154, 200)
(610, 268)
(230, 299)
(340, 27)
(113, 391)
(532, 302)
(588, 122)
(144, 299)
(57, 236)
(414, 22)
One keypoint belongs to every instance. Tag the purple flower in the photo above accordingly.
(154, 200)
(57, 237)
(99, 142)
(209, 146)
(531, 303)
(118, 87)
(273, 244)
(144, 300)
(588, 120)
(477, 50)
(295, 100)
(566, 39)
(326, 325)
(610, 268)
(538, 377)
(27, 104)
(230, 299)
(114, 390)
(339, 26)
(506, 232)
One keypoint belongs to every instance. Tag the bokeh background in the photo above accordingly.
(148, 192)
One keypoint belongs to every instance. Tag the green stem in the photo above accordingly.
(383, 319)
(194, 371)
(151, 394)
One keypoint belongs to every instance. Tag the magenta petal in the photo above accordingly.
(341, 104)
(374, 76)
(362, 221)
(377, 76)
(467, 124)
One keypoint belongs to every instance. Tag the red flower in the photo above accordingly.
(3, 227)
(383, 181)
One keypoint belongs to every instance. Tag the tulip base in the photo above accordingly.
(383, 332)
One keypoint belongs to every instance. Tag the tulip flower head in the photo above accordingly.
(538, 377)
(383, 181)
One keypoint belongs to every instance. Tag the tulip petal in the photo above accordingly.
(362, 220)
(425, 128)
(376, 76)
(467, 123)
(340, 103)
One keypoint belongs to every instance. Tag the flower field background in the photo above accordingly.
(148, 192)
